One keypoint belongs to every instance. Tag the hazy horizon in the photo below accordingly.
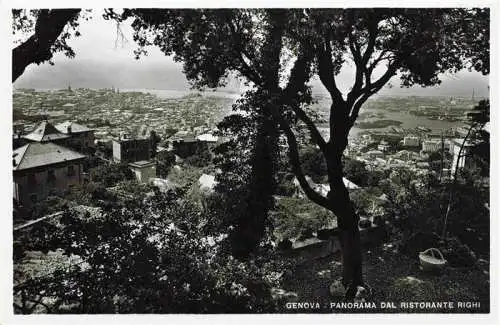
(87, 73)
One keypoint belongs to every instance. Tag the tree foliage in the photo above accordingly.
(110, 175)
(144, 254)
(480, 137)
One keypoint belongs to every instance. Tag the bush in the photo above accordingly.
(149, 256)
(109, 175)
(417, 211)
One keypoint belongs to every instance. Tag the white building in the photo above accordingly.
(462, 159)
(144, 170)
(207, 183)
(431, 146)
(411, 141)
(207, 137)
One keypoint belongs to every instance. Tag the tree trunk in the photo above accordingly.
(343, 208)
(253, 219)
(350, 243)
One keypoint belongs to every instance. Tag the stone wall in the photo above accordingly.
(327, 243)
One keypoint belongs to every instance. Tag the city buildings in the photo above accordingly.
(185, 144)
(41, 167)
(322, 189)
(372, 154)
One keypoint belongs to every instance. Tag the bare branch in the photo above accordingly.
(372, 37)
(241, 53)
(313, 130)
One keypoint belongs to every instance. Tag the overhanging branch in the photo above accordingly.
(37, 48)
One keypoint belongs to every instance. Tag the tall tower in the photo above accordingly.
(473, 94)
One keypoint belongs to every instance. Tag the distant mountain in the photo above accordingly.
(461, 84)
(143, 74)
(87, 74)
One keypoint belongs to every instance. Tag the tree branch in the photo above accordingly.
(369, 90)
(37, 48)
(362, 60)
(299, 76)
(293, 154)
(247, 71)
(360, 70)
(326, 71)
(240, 53)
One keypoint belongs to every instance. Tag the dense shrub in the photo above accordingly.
(147, 255)
(109, 175)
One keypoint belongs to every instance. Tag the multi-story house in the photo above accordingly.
(127, 149)
(40, 168)
(81, 138)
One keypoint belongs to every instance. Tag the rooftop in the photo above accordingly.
(142, 163)
(45, 132)
(75, 128)
(207, 137)
(37, 154)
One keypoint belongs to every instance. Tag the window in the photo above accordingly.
(71, 170)
(51, 176)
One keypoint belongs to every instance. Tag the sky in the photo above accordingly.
(103, 59)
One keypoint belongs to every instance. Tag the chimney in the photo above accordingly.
(69, 128)
(14, 164)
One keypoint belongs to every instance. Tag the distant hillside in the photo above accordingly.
(85, 74)
(459, 85)
(148, 75)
